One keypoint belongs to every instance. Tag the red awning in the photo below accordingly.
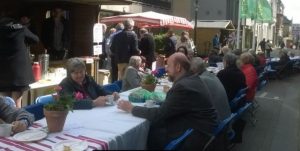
(151, 20)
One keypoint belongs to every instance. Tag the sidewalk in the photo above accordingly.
(278, 122)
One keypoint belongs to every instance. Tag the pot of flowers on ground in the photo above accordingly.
(57, 111)
(149, 82)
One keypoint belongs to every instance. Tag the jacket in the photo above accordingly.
(188, 104)
(14, 58)
(251, 80)
(124, 45)
(10, 114)
(233, 80)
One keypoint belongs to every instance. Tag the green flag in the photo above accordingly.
(247, 8)
(264, 11)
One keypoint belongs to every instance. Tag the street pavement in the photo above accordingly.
(278, 122)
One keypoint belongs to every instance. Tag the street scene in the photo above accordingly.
(149, 75)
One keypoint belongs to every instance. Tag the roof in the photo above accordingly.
(219, 24)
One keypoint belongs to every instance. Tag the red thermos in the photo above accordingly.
(36, 69)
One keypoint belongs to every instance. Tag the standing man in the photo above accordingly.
(170, 43)
(125, 45)
(114, 65)
(188, 104)
(216, 41)
(55, 35)
(262, 45)
(147, 47)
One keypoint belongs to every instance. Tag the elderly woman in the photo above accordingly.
(19, 118)
(231, 76)
(133, 76)
(83, 86)
(250, 73)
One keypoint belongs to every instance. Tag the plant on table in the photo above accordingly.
(149, 82)
(57, 111)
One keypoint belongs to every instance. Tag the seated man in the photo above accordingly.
(132, 77)
(78, 82)
(19, 118)
(187, 105)
(215, 87)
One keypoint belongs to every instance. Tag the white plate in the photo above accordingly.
(30, 136)
(71, 145)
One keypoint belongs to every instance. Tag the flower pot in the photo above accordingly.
(55, 120)
(149, 87)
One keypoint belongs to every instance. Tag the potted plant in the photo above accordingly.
(57, 111)
(149, 82)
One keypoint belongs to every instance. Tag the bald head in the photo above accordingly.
(178, 65)
(182, 60)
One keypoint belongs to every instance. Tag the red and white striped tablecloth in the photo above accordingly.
(9, 144)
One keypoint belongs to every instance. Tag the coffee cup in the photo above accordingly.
(5, 130)
(111, 99)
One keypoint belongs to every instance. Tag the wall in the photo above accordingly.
(82, 18)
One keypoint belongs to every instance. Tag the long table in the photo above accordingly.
(104, 128)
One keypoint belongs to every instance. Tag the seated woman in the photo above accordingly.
(250, 73)
(187, 52)
(19, 118)
(132, 77)
(231, 76)
(77, 81)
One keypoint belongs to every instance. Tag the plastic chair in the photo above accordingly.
(110, 88)
(238, 98)
(9, 101)
(224, 124)
(242, 110)
(174, 143)
(45, 99)
(262, 81)
(36, 110)
(119, 83)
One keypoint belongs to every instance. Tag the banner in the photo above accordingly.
(264, 11)
(259, 10)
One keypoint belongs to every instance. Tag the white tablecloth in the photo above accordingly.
(115, 128)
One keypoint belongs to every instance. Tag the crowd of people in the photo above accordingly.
(198, 99)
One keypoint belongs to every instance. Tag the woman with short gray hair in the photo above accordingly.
(132, 77)
(231, 76)
(83, 86)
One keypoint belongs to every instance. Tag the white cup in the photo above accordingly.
(220, 65)
(5, 130)
(110, 99)
(149, 103)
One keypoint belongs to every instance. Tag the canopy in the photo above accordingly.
(219, 24)
(151, 20)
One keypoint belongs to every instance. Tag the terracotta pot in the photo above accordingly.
(149, 87)
(55, 120)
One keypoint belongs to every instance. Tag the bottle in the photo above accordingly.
(36, 69)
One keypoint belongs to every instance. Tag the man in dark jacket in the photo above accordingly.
(187, 105)
(170, 44)
(147, 47)
(55, 35)
(125, 45)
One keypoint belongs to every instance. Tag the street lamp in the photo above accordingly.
(195, 26)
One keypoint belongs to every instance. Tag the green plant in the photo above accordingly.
(61, 103)
(149, 79)
(159, 43)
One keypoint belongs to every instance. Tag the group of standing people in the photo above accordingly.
(266, 47)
